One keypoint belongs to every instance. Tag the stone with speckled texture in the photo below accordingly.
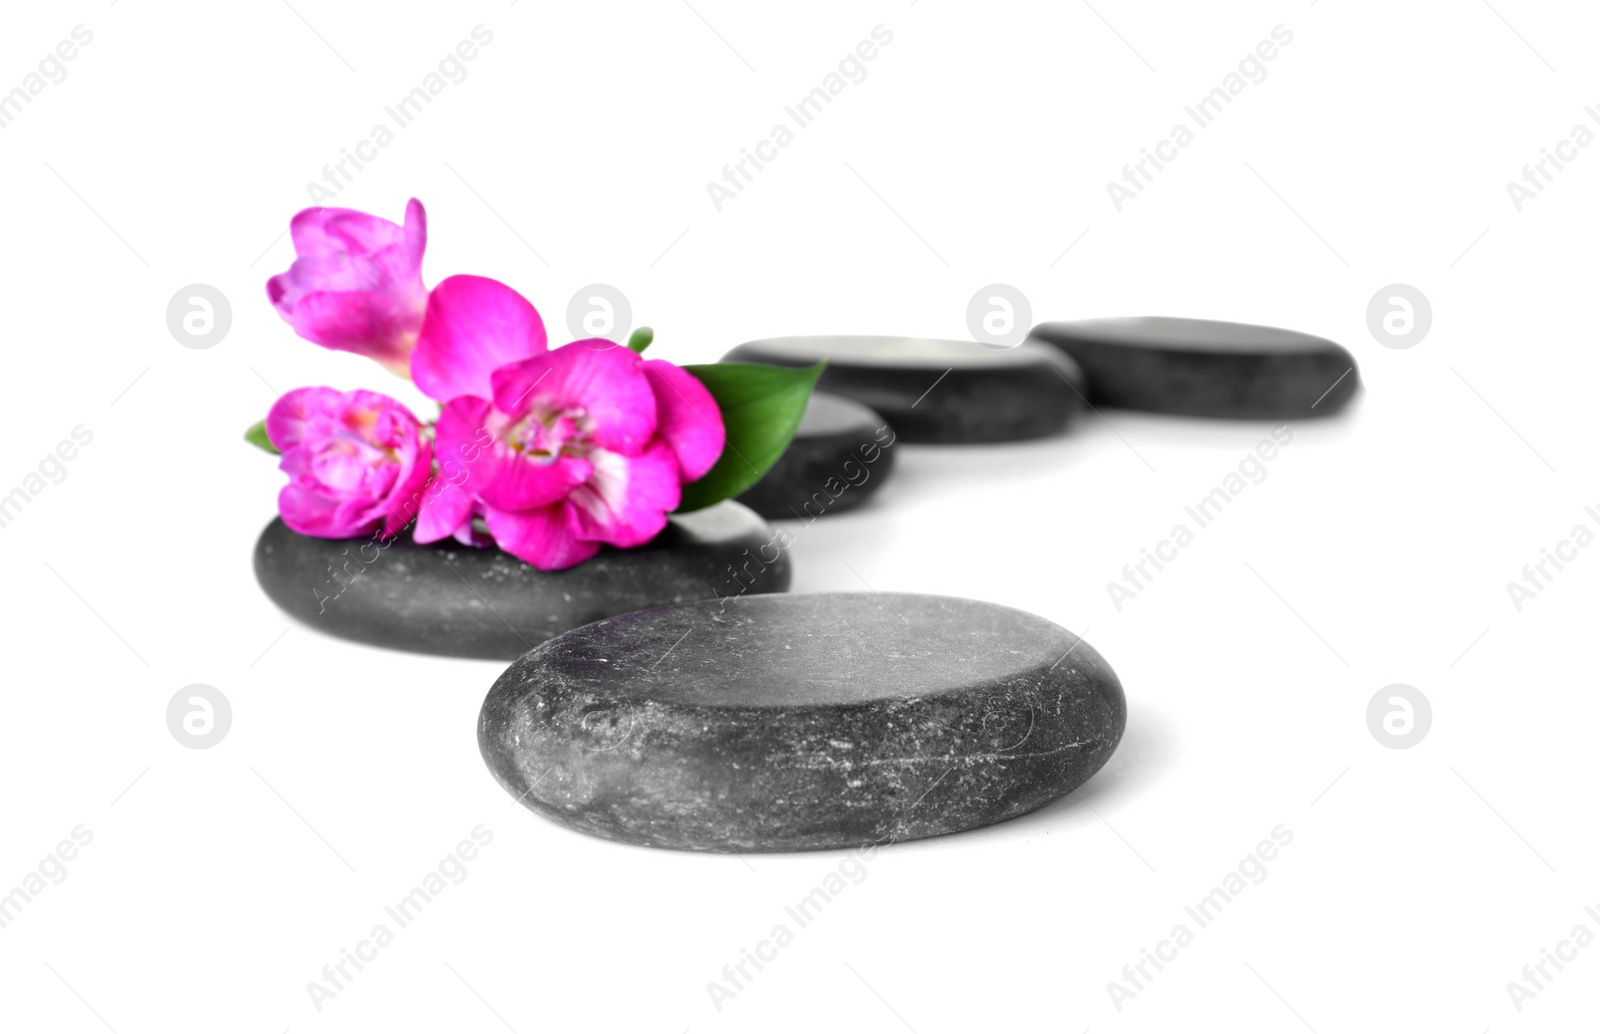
(457, 601)
(776, 723)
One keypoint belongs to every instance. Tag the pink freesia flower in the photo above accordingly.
(357, 462)
(356, 284)
(559, 451)
(473, 327)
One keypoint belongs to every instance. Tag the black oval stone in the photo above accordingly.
(840, 456)
(775, 723)
(947, 392)
(1207, 368)
(454, 600)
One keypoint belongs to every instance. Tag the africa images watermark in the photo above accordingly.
(1137, 976)
(337, 976)
(1536, 975)
(852, 70)
(1203, 512)
(838, 484)
(833, 487)
(451, 69)
(1252, 70)
(737, 976)
(53, 466)
(52, 71)
(52, 867)
(1538, 175)
(452, 474)
(1538, 575)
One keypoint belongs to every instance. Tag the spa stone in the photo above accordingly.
(457, 601)
(782, 723)
(1207, 368)
(946, 392)
(841, 455)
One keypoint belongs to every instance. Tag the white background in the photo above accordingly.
(1377, 551)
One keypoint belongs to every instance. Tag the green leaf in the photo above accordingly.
(641, 338)
(257, 436)
(761, 409)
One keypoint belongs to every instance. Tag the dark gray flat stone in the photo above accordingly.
(987, 395)
(779, 723)
(1207, 368)
(841, 455)
(457, 601)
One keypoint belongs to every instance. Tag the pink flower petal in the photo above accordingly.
(463, 436)
(469, 535)
(504, 477)
(415, 453)
(310, 512)
(510, 481)
(320, 230)
(445, 508)
(416, 233)
(370, 323)
(357, 462)
(626, 502)
(687, 417)
(286, 420)
(356, 282)
(473, 326)
(606, 383)
(542, 537)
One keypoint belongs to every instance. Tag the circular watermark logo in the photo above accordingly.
(1001, 719)
(604, 723)
(199, 316)
(1399, 716)
(1399, 316)
(999, 316)
(599, 310)
(199, 716)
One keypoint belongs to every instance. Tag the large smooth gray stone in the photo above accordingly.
(454, 600)
(1207, 368)
(946, 392)
(775, 723)
(840, 456)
